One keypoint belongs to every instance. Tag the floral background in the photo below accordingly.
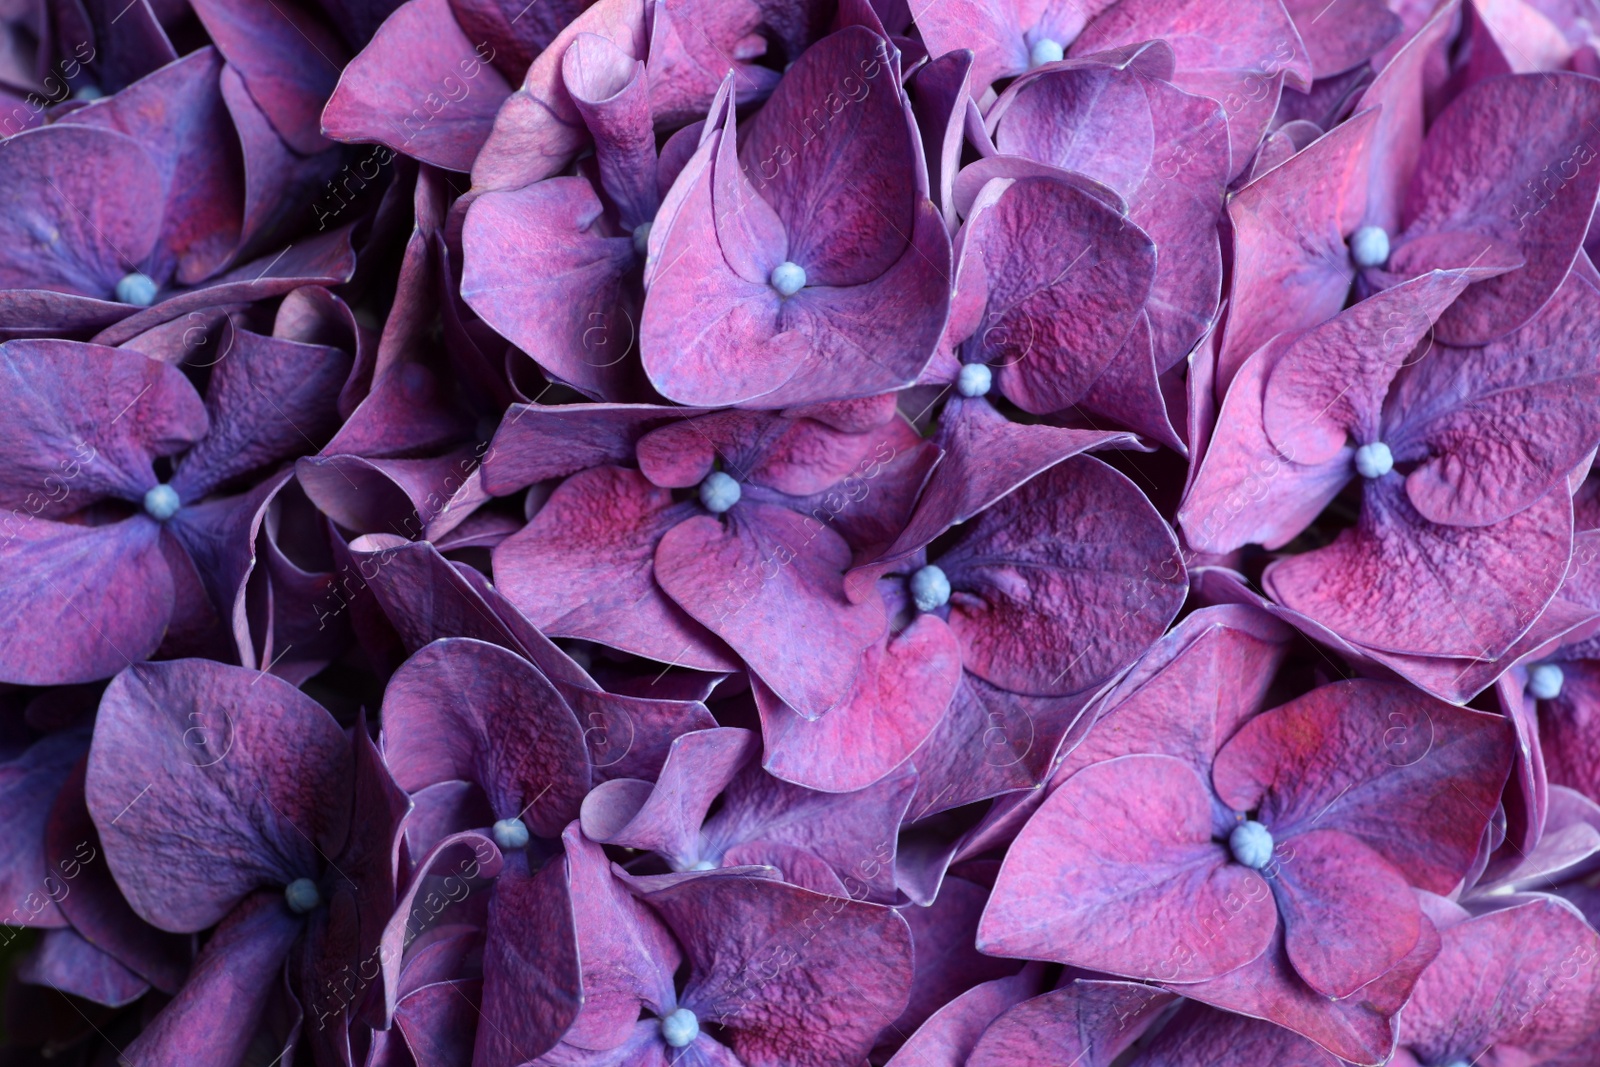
(799, 533)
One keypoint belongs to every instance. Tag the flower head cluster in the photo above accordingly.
(800, 533)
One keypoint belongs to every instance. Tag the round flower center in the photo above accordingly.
(1374, 460)
(788, 278)
(1044, 51)
(930, 588)
(974, 380)
(1544, 681)
(641, 238)
(719, 492)
(510, 834)
(301, 895)
(161, 503)
(680, 1027)
(1251, 844)
(137, 289)
(1369, 247)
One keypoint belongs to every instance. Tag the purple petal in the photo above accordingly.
(463, 709)
(1117, 872)
(208, 782)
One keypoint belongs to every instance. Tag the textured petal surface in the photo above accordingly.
(208, 782)
(1117, 872)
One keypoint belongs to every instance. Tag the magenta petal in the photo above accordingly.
(463, 709)
(174, 744)
(839, 981)
(902, 690)
(94, 904)
(1510, 979)
(608, 87)
(948, 962)
(1117, 871)
(853, 833)
(546, 269)
(1077, 550)
(1092, 1022)
(213, 1019)
(1067, 278)
(1502, 423)
(992, 742)
(540, 441)
(1147, 147)
(983, 456)
(419, 87)
(1328, 385)
(1360, 1028)
(1339, 34)
(607, 591)
(1454, 606)
(949, 1035)
(1291, 269)
(1234, 55)
(1546, 115)
(1188, 695)
(177, 114)
(770, 584)
(1348, 915)
(64, 572)
(628, 957)
(1413, 777)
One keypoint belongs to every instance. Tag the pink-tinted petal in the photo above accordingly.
(243, 765)
(1360, 1028)
(1092, 1022)
(1200, 1036)
(288, 59)
(1291, 269)
(1062, 583)
(92, 214)
(770, 583)
(665, 817)
(1343, 33)
(31, 890)
(1235, 55)
(1328, 385)
(213, 1019)
(1066, 276)
(1502, 423)
(420, 87)
(538, 441)
(789, 992)
(1519, 978)
(899, 695)
(948, 1037)
(1117, 872)
(1348, 914)
(1413, 777)
(64, 960)
(608, 86)
(85, 422)
(548, 270)
(983, 457)
(608, 589)
(1545, 116)
(531, 969)
(1453, 607)
(1168, 157)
